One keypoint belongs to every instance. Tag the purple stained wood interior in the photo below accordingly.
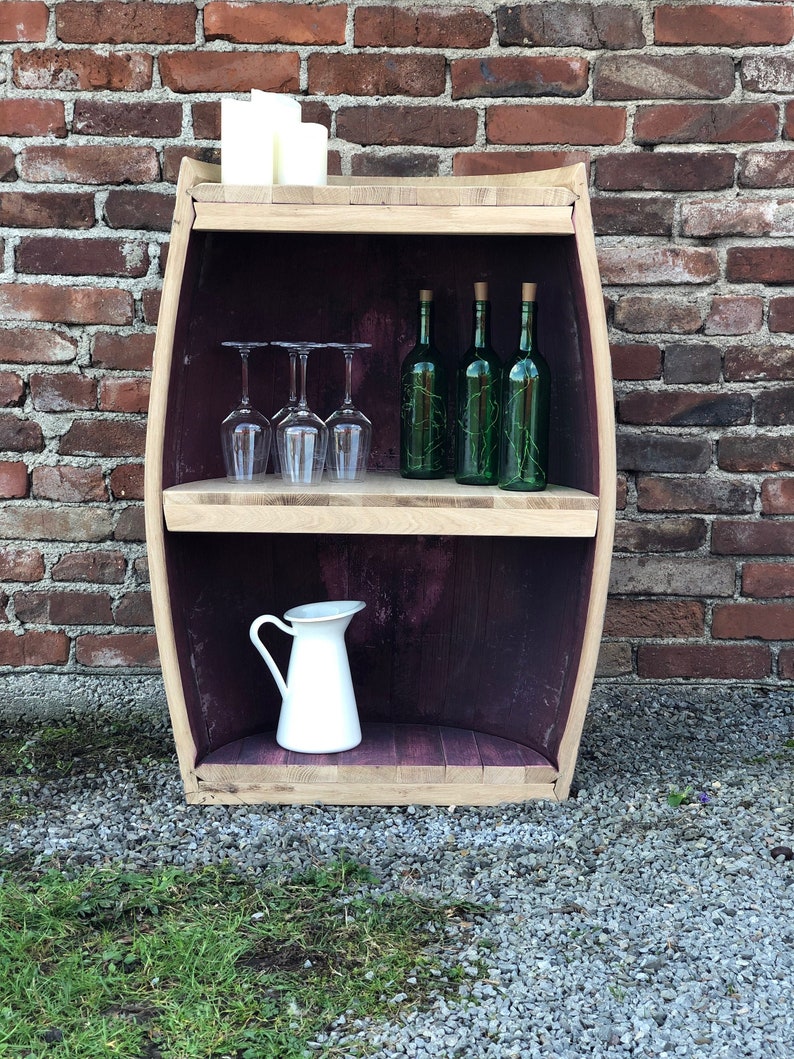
(475, 633)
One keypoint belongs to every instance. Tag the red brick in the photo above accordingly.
(695, 495)
(126, 481)
(689, 362)
(658, 264)
(140, 120)
(62, 607)
(775, 408)
(376, 74)
(95, 567)
(62, 392)
(661, 535)
(636, 361)
(151, 306)
(32, 117)
(134, 608)
(131, 525)
(767, 537)
(83, 71)
(13, 479)
(207, 118)
(632, 215)
(766, 169)
(65, 256)
(663, 77)
(788, 128)
(664, 453)
(652, 575)
(570, 25)
(206, 71)
(781, 314)
(391, 26)
(734, 315)
(46, 209)
(123, 352)
(723, 24)
(124, 395)
(614, 660)
(126, 22)
(7, 163)
(519, 75)
(555, 123)
(20, 435)
(485, 163)
(641, 313)
(27, 346)
(172, 159)
(21, 564)
(144, 210)
(48, 523)
(141, 568)
(393, 125)
(22, 22)
(118, 650)
(685, 408)
(759, 363)
(33, 648)
(90, 164)
(761, 452)
(12, 389)
(69, 305)
(665, 171)
(768, 580)
(704, 662)
(753, 621)
(69, 485)
(274, 23)
(777, 496)
(706, 123)
(395, 163)
(786, 664)
(104, 437)
(768, 73)
(657, 617)
(709, 218)
(760, 264)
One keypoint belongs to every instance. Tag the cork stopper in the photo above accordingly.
(528, 292)
(425, 295)
(481, 292)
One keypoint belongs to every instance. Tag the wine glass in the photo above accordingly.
(349, 430)
(302, 437)
(292, 400)
(245, 433)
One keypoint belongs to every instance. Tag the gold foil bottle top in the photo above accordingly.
(481, 292)
(528, 292)
(425, 295)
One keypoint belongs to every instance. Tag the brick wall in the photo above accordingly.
(684, 113)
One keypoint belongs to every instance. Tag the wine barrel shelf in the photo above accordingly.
(474, 659)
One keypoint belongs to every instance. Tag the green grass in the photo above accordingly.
(53, 750)
(206, 965)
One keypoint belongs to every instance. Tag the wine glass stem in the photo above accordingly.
(348, 378)
(245, 400)
(304, 361)
(293, 362)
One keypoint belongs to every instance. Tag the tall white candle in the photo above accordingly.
(279, 112)
(246, 144)
(302, 154)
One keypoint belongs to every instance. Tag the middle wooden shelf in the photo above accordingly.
(384, 503)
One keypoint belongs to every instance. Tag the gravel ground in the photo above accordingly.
(614, 924)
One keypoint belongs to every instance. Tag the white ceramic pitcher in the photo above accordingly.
(318, 704)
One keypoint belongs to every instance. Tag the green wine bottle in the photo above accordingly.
(479, 374)
(526, 385)
(423, 402)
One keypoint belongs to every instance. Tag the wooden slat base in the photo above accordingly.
(393, 765)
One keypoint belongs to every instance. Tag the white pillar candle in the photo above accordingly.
(278, 111)
(246, 144)
(302, 154)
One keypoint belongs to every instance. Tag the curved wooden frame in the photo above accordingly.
(553, 202)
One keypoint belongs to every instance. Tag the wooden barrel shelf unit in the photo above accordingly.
(474, 658)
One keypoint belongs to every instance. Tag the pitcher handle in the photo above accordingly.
(253, 632)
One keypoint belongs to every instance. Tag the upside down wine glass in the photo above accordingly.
(302, 437)
(349, 430)
(245, 433)
(292, 401)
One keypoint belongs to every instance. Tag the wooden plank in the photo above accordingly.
(478, 196)
(420, 757)
(382, 195)
(365, 794)
(374, 760)
(390, 219)
(461, 755)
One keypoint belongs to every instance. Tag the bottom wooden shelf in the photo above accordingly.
(395, 764)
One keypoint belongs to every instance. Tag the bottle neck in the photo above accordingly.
(425, 327)
(481, 327)
(528, 341)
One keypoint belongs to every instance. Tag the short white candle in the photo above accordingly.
(246, 144)
(302, 154)
(279, 112)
